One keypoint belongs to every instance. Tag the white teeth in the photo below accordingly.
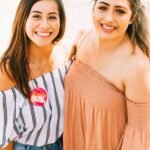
(108, 27)
(43, 34)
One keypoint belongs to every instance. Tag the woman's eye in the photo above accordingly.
(52, 17)
(102, 8)
(120, 11)
(36, 16)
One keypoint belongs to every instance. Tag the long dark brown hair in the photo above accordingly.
(138, 31)
(14, 61)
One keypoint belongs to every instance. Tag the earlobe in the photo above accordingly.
(130, 22)
(132, 19)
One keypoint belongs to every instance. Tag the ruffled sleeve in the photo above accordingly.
(137, 132)
(10, 105)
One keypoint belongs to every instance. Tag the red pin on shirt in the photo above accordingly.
(38, 96)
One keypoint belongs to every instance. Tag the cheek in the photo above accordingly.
(96, 20)
(27, 27)
(97, 16)
(125, 22)
(94, 16)
(58, 23)
(57, 26)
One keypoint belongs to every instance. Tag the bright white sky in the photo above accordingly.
(7, 10)
(78, 16)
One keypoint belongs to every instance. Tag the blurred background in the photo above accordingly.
(78, 16)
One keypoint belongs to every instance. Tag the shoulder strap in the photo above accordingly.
(74, 48)
(83, 38)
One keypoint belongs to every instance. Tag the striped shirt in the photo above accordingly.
(31, 124)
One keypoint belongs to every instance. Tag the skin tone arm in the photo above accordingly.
(137, 83)
(9, 147)
(7, 83)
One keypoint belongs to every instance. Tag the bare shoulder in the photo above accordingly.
(82, 33)
(137, 82)
(79, 37)
(6, 82)
(60, 53)
(140, 63)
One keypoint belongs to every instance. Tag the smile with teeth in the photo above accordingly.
(107, 27)
(43, 34)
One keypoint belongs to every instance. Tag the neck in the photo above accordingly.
(39, 54)
(109, 45)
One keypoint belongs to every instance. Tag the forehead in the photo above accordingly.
(124, 3)
(45, 6)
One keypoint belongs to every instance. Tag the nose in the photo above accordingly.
(44, 24)
(109, 16)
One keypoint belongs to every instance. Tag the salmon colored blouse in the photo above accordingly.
(98, 116)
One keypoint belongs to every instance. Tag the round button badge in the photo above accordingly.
(38, 96)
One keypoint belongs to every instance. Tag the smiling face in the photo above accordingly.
(111, 18)
(43, 23)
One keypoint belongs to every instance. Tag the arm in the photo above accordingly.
(137, 83)
(6, 83)
(9, 147)
(137, 90)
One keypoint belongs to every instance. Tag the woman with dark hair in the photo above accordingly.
(107, 88)
(31, 77)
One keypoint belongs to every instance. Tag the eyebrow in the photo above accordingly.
(117, 6)
(51, 13)
(104, 3)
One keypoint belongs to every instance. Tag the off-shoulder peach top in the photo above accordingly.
(98, 116)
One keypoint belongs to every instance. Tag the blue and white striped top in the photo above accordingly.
(30, 124)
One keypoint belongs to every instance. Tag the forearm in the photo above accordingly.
(8, 147)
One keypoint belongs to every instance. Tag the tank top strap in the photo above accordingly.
(84, 37)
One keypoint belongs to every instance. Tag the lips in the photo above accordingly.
(43, 34)
(108, 28)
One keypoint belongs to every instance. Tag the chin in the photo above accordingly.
(105, 37)
(43, 45)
